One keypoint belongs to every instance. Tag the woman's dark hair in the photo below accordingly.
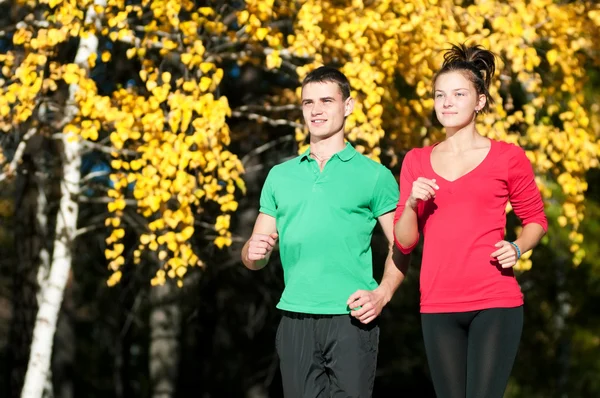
(476, 63)
(328, 74)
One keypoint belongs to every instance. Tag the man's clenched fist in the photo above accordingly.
(260, 246)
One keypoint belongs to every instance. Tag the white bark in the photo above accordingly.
(52, 290)
(44, 254)
(165, 328)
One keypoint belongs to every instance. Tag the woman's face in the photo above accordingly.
(456, 100)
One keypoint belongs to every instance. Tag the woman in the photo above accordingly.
(455, 193)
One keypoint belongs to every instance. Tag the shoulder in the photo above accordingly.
(507, 148)
(370, 170)
(363, 161)
(416, 155)
(283, 168)
(509, 152)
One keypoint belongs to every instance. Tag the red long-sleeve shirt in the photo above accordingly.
(464, 221)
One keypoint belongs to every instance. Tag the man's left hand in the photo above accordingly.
(366, 305)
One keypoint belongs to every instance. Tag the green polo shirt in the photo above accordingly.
(325, 221)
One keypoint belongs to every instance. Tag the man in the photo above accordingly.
(323, 206)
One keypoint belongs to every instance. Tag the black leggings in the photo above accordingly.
(471, 354)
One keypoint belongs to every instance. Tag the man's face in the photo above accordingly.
(324, 109)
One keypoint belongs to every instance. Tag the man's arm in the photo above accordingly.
(257, 250)
(396, 266)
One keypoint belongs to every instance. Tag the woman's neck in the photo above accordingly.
(462, 139)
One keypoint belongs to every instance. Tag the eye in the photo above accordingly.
(460, 94)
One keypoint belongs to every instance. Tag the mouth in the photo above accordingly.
(318, 121)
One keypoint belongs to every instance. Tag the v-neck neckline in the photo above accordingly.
(479, 166)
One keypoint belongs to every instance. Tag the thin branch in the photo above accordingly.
(104, 199)
(85, 230)
(99, 147)
(93, 175)
(265, 119)
(261, 166)
(12, 167)
(108, 149)
(268, 108)
(265, 147)
(204, 224)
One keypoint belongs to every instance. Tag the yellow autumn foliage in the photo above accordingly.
(390, 50)
(169, 136)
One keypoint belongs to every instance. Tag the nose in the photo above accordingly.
(447, 101)
(316, 109)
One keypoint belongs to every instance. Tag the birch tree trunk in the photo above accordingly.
(165, 328)
(29, 239)
(52, 291)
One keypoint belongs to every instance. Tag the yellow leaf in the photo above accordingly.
(181, 271)
(114, 278)
(187, 233)
(261, 33)
(92, 60)
(205, 67)
(130, 53)
(229, 206)
(223, 241)
(205, 83)
(71, 77)
(552, 56)
(243, 17)
(186, 58)
(223, 222)
(151, 85)
(273, 60)
(206, 11)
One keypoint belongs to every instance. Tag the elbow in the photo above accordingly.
(404, 242)
(404, 246)
(542, 223)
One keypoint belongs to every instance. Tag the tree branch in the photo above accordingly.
(267, 107)
(104, 199)
(99, 147)
(265, 147)
(265, 119)
(12, 166)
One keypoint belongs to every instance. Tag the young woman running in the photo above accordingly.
(455, 193)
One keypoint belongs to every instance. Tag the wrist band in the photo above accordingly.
(517, 249)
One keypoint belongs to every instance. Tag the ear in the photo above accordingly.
(348, 106)
(481, 101)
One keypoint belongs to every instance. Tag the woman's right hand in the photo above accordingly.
(423, 189)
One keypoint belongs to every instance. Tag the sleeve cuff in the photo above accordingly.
(268, 212)
(389, 208)
(405, 250)
(542, 223)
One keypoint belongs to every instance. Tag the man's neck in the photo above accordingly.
(327, 147)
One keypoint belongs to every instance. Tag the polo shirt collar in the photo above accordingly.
(345, 154)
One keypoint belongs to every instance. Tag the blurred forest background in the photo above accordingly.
(135, 138)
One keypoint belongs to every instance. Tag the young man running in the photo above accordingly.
(323, 206)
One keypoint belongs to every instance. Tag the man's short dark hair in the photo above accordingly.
(328, 74)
